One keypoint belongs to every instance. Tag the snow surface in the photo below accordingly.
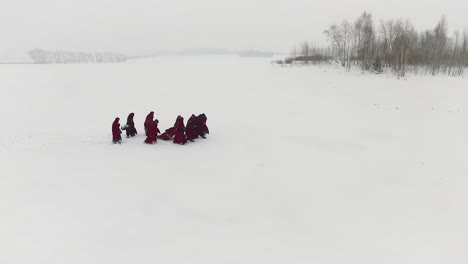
(303, 165)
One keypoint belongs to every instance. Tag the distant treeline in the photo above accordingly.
(393, 44)
(312, 57)
(46, 57)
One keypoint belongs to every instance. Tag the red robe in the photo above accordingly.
(191, 130)
(179, 136)
(116, 131)
(168, 134)
(202, 129)
(148, 121)
(130, 129)
(153, 132)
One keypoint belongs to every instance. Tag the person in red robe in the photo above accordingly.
(153, 132)
(130, 127)
(191, 129)
(202, 128)
(116, 138)
(170, 132)
(148, 121)
(179, 134)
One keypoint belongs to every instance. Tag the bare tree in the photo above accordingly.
(336, 38)
(305, 49)
(440, 42)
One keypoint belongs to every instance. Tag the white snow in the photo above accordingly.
(303, 165)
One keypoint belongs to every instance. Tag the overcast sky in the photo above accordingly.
(144, 26)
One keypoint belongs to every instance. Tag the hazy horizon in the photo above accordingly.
(143, 26)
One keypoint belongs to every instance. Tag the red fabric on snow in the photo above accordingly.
(168, 134)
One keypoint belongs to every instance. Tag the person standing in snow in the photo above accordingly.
(116, 137)
(202, 128)
(191, 130)
(130, 127)
(153, 132)
(179, 135)
(148, 121)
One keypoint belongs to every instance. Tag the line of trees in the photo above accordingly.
(394, 44)
(47, 57)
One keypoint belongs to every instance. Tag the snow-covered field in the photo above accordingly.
(303, 165)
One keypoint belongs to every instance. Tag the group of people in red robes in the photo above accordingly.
(179, 133)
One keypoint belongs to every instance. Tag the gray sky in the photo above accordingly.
(144, 26)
